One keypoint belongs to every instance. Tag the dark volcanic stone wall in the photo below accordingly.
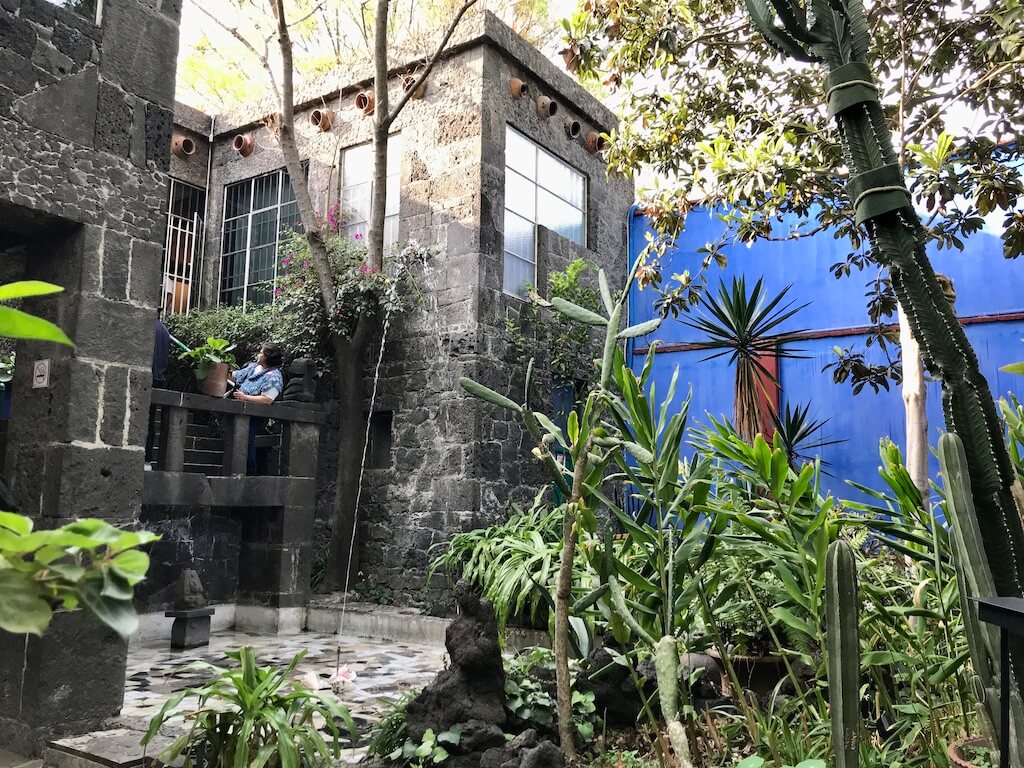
(85, 121)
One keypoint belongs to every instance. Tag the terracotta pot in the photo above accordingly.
(366, 102)
(546, 107)
(243, 144)
(212, 378)
(322, 119)
(957, 759)
(573, 128)
(596, 142)
(182, 146)
(518, 88)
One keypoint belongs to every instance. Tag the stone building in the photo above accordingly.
(85, 122)
(501, 181)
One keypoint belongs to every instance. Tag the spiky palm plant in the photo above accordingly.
(799, 434)
(743, 325)
(836, 33)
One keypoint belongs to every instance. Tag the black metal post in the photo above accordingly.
(1004, 697)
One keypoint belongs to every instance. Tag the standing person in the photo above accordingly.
(161, 355)
(261, 381)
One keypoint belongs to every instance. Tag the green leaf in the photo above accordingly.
(22, 609)
(489, 395)
(25, 288)
(16, 523)
(576, 312)
(16, 324)
(1017, 368)
(132, 565)
(119, 615)
(640, 329)
(751, 762)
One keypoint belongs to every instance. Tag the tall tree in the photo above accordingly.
(349, 347)
(707, 106)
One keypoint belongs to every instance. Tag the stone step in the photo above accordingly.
(117, 748)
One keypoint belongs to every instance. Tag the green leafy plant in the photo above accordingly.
(392, 730)
(252, 716)
(213, 352)
(249, 329)
(800, 434)
(87, 562)
(529, 699)
(743, 325)
(511, 563)
(430, 750)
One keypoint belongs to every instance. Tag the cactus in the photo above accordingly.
(842, 643)
(974, 578)
(836, 32)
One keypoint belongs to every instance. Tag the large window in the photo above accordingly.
(539, 189)
(255, 213)
(357, 189)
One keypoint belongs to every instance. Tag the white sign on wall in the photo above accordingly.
(40, 374)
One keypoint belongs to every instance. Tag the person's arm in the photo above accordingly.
(261, 399)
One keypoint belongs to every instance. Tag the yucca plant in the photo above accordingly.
(744, 325)
(799, 434)
(252, 716)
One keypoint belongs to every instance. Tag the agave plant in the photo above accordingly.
(743, 325)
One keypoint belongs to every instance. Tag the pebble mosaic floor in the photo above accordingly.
(384, 670)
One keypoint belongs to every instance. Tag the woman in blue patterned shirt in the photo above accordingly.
(260, 382)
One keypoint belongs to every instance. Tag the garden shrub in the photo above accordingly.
(246, 329)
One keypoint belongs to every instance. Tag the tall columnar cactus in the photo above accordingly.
(842, 644)
(974, 578)
(836, 33)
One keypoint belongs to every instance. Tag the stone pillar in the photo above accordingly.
(85, 121)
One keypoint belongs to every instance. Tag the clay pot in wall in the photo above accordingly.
(546, 107)
(957, 751)
(182, 146)
(596, 142)
(408, 81)
(366, 101)
(322, 119)
(573, 128)
(518, 88)
(243, 144)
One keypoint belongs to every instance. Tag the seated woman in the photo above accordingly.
(260, 382)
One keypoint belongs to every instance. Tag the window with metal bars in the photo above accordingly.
(539, 189)
(183, 248)
(256, 212)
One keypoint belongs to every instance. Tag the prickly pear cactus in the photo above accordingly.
(842, 643)
(836, 33)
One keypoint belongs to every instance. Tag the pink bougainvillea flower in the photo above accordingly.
(342, 679)
(278, 291)
(286, 261)
(305, 263)
(357, 236)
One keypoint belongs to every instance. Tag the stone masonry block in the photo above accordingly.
(113, 121)
(115, 264)
(73, 43)
(159, 123)
(114, 332)
(146, 272)
(80, 481)
(66, 108)
(39, 11)
(145, 45)
(115, 404)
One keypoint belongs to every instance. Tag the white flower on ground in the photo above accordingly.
(342, 680)
(310, 681)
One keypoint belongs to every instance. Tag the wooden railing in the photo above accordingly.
(209, 435)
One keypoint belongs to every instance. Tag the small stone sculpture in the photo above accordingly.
(191, 627)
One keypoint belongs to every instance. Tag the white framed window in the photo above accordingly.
(256, 211)
(357, 189)
(539, 189)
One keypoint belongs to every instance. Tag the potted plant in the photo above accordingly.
(212, 361)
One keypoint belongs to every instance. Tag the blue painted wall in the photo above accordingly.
(985, 282)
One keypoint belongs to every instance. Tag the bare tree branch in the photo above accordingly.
(431, 63)
(261, 57)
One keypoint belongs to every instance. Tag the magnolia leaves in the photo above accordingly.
(88, 561)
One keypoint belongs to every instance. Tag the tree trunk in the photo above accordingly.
(381, 124)
(914, 401)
